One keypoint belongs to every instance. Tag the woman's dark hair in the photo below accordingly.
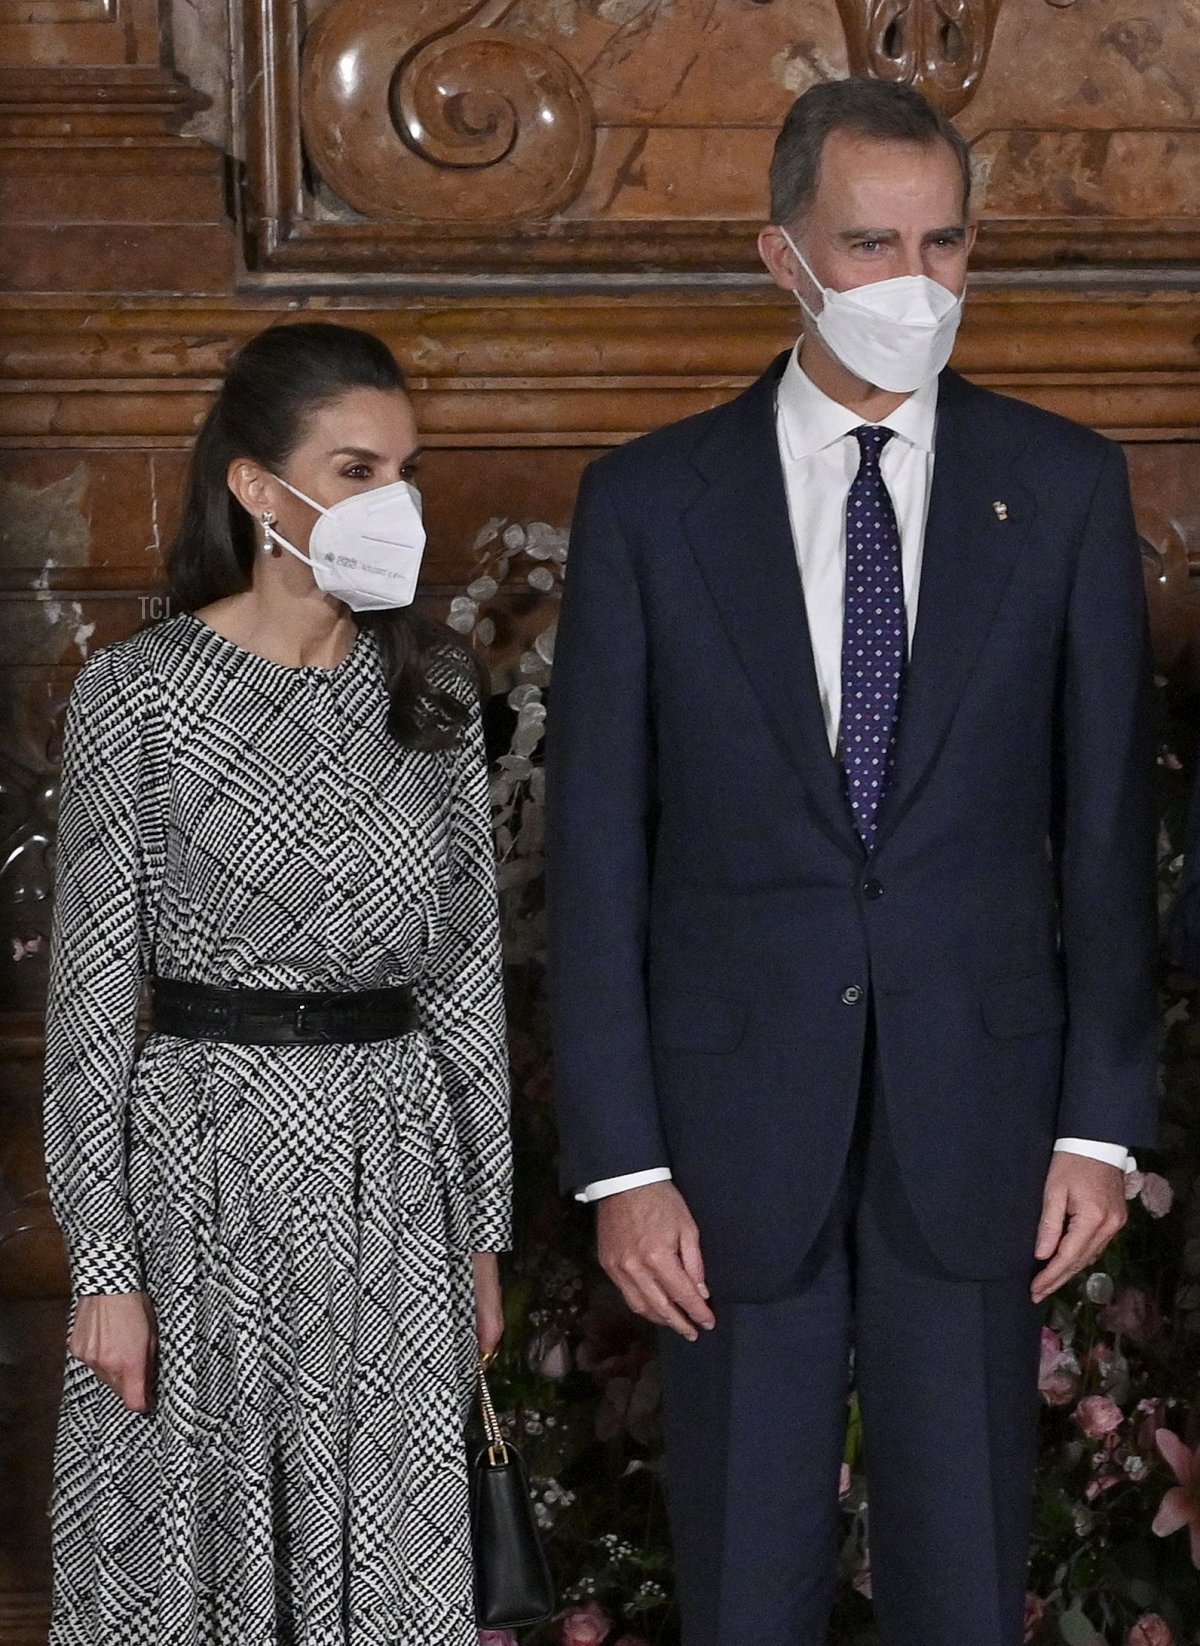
(274, 385)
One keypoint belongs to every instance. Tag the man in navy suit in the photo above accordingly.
(852, 912)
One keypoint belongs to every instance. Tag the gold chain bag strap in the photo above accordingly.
(512, 1580)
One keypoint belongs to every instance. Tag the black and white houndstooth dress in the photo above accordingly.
(302, 1216)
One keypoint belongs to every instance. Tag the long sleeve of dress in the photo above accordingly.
(105, 861)
(461, 1000)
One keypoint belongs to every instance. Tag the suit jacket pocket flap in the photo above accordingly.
(692, 1021)
(1024, 1005)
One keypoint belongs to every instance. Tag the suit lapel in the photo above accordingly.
(969, 556)
(740, 534)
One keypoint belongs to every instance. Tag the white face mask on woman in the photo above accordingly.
(896, 334)
(365, 550)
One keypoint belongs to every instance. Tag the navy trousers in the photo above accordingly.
(946, 1371)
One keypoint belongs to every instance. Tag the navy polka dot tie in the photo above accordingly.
(874, 636)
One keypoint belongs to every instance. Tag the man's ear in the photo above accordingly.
(781, 261)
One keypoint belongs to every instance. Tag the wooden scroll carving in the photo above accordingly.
(938, 46)
(443, 145)
(469, 122)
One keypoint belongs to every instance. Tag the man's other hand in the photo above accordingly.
(649, 1246)
(1082, 1209)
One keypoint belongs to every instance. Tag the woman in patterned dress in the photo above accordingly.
(283, 1210)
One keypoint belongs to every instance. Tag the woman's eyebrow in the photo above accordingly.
(364, 456)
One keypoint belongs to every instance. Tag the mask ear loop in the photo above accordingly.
(804, 264)
(273, 538)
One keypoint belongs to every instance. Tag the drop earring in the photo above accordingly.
(268, 520)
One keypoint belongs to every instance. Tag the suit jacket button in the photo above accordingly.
(872, 889)
(852, 995)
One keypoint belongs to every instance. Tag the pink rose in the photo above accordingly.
(1157, 1196)
(1134, 1314)
(1102, 1483)
(1098, 1416)
(845, 1481)
(631, 1405)
(1150, 1630)
(1058, 1374)
(588, 1625)
(550, 1355)
(1151, 1417)
(1035, 1615)
(616, 1343)
(497, 1637)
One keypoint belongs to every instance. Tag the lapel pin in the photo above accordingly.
(1001, 510)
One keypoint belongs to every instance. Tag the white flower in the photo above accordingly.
(486, 533)
(545, 542)
(1099, 1287)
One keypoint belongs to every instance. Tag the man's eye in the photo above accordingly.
(869, 245)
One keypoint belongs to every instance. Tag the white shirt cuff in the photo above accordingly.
(1112, 1154)
(618, 1185)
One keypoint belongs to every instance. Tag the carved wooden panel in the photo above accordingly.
(436, 142)
(55, 33)
(939, 46)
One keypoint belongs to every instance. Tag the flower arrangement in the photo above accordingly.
(1116, 1558)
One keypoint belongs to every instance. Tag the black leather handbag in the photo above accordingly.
(512, 1580)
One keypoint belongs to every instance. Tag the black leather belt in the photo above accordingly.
(279, 1017)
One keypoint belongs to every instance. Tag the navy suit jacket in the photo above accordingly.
(716, 930)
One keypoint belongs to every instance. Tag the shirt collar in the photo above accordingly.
(811, 420)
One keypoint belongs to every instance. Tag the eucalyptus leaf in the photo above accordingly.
(1075, 1628)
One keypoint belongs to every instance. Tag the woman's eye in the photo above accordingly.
(356, 471)
(410, 471)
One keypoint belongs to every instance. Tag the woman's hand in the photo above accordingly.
(489, 1305)
(115, 1334)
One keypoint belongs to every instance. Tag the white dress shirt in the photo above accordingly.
(820, 459)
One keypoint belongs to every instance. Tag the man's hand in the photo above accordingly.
(116, 1335)
(1082, 1209)
(650, 1246)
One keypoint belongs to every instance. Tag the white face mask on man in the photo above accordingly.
(895, 334)
(365, 550)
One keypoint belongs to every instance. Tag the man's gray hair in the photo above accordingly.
(870, 108)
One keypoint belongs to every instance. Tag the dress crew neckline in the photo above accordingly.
(269, 662)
